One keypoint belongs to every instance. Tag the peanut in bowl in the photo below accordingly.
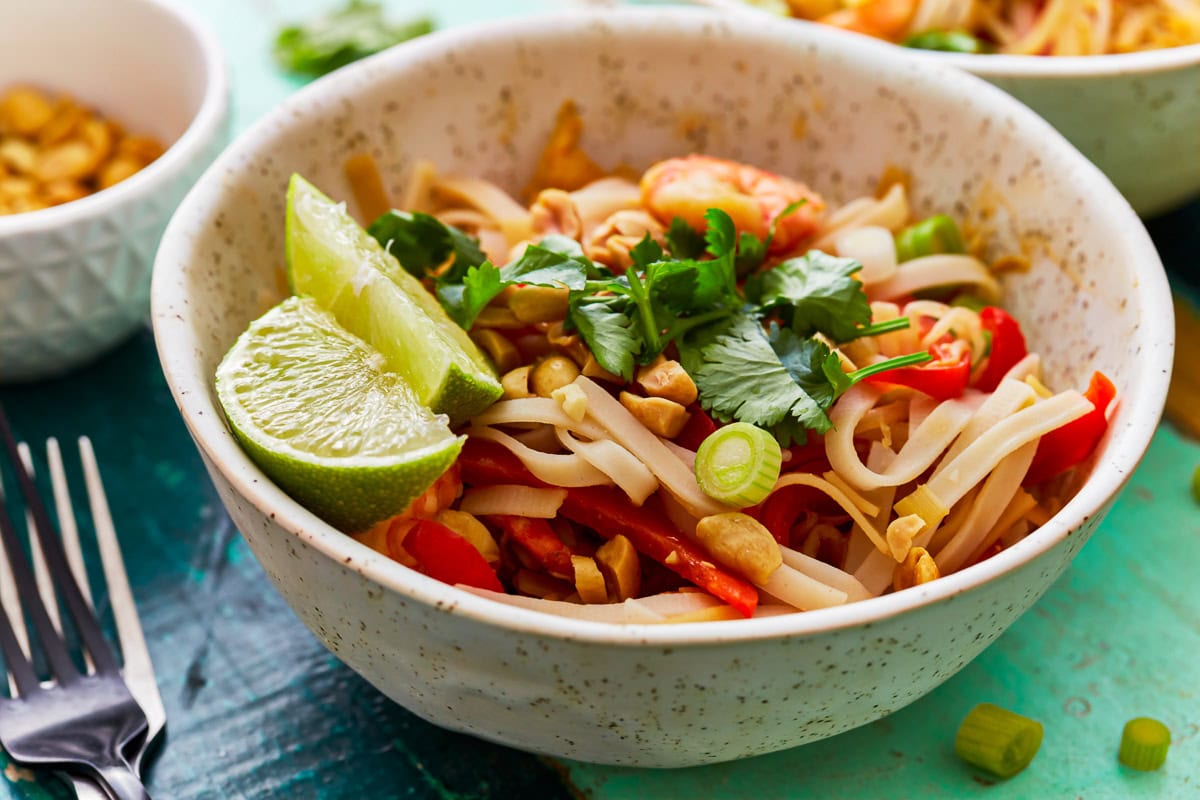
(110, 113)
(696, 692)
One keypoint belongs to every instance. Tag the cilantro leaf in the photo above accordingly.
(815, 293)
(334, 40)
(607, 331)
(422, 243)
(751, 253)
(645, 253)
(812, 365)
(740, 377)
(684, 241)
(544, 267)
(463, 301)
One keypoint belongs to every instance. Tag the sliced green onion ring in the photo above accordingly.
(738, 464)
(938, 234)
(998, 740)
(1144, 744)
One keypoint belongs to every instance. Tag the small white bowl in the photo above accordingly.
(834, 111)
(1135, 115)
(75, 278)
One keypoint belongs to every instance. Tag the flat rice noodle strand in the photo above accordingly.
(556, 469)
(1009, 398)
(796, 589)
(839, 497)
(623, 427)
(621, 466)
(828, 574)
(986, 452)
(928, 272)
(537, 409)
(997, 492)
(923, 447)
(860, 546)
(510, 216)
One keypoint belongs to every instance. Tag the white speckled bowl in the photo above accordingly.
(651, 84)
(1135, 115)
(75, 279)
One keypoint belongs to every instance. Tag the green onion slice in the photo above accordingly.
(998, 740)
(938, 234)
(1144, 744)
(947, 42)
(738, 464)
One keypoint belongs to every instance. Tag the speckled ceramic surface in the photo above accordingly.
(1135, 115)
(653, 84)
(75, 279)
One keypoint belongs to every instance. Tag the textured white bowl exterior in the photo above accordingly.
(653, 84)
(1135, 115)
(75, 279)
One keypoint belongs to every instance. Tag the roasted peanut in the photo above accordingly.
(539, 303)
(592, 369)
(900, 534)
(24, 112)
(552, 373)
(63, 191)
(116, 171)
(589, 582)
(667, 379)
(557, 335)
(471, 529)
(622, 568)
(665, 418)
(537, 584)
(502, 318)
(502, 352)
(516, 383)
(18, 155)
(573, 401)
(741, 543)
(917, 567)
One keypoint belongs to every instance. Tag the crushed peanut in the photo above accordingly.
(917, 567)
(573, 401)
(900, 534)
(53, 151)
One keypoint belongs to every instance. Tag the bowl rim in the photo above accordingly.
(1008, 65)
(201, 130)
(193, 393)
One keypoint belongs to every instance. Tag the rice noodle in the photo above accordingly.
(923, 447)
(614, 461)
(630, 612)
(688, 457)
(1018, 507)
(997, 492)
(860, 546)
(600, 199)
(825, 573)
(797, 589)
(874, 247)
(890, 211)
(557, 469)
(513, 500)
(929, 272)
(615, 419)
(507, 214)
(981, 456)
(537, 409)
(865, 505)
(1009, 398)
(839, 497)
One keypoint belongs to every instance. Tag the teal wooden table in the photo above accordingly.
(257, 709)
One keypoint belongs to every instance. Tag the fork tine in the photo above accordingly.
(40, 575)
(20, 672)
(87, 627)
(139, 672)
(9, 598)
(66, 519)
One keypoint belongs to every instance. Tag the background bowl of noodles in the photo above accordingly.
(834, 111)
(1134, 114)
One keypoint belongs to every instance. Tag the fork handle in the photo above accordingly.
(121, 782)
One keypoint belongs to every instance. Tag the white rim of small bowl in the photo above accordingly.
(197, 135)
(177, 346)
(1004, 65)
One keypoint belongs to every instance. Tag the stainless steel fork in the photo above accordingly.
(28, 718)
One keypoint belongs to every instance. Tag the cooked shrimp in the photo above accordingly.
(687, 187)
(883, 19)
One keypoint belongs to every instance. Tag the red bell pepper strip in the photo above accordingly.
(1008, 347)
(1065, 447)
(538, 539)
(944, 378)
(484, 462)
(698, 428)
(779, 512)
(608, 511)
(447, 556)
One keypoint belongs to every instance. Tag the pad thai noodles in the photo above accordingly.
(723, 397)
(1022, 27)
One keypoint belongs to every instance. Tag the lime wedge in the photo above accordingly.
(314, 408)
(331, 258)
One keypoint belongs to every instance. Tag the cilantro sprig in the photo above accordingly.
(758, 356)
